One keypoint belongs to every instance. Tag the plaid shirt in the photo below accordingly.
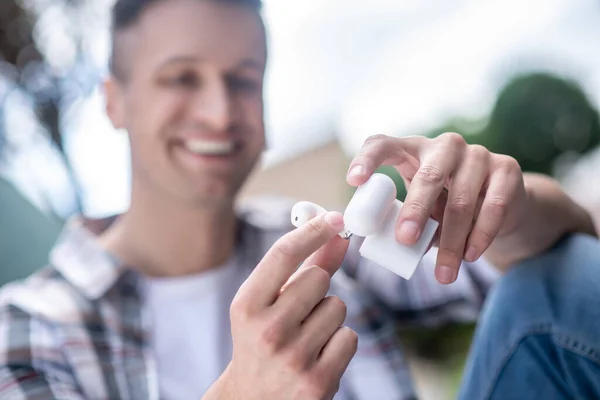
(76, 329)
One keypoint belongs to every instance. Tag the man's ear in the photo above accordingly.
(115, 102)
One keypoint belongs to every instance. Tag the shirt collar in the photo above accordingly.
(81, 260)
(84, 263)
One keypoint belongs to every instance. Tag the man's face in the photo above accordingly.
(191, 98)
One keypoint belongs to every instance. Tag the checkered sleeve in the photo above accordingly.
(422, 301)
(31, 364)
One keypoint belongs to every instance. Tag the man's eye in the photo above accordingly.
(243, 84)
(184, 80)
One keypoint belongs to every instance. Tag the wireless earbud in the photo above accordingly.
(372, 213)
(304, 211)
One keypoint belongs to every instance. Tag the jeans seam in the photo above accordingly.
(544, 328)
(574, 345)
(561, 339)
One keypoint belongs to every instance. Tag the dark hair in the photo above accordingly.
(125, 13)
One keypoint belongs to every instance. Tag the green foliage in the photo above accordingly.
(441, 344)
(536, 119)
(539, 117)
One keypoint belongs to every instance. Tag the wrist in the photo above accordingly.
(547, 194)
(580, 220)
(222, 389)
(548, 214)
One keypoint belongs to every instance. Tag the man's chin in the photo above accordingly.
(216, 197)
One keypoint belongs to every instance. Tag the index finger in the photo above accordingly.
(331, 255)
(381, 150)
(284, 257)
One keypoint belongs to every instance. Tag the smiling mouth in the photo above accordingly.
(210, 147)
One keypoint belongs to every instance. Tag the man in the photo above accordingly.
(182, 297)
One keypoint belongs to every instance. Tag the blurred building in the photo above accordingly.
(316, 175)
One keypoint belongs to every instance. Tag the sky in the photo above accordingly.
(454, 67)
(352, 68)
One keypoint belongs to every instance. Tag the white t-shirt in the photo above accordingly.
(190, 329)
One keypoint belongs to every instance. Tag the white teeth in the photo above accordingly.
(205, 147)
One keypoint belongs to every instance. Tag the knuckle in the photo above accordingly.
(375, 144)
(497, 206)
(238, 310)
(338, 306)
(451, 253)
(460, 204)
(296, 359)
(482, 237)
(454, 139)
(370, 152)
(376, 138)
(319, 277)
(508, 163)
(272, 335)
(479, 153)
(415, 209)
(430, 175)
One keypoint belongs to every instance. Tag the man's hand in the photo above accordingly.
(476, 195)
(288, 339)
(551, 214)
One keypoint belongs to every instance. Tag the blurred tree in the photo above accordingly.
(51, 77)
(536, 119)
(539, 117)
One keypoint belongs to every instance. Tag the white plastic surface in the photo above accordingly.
(383, 249)
(369, 207)
(373, 213)
(304, 211)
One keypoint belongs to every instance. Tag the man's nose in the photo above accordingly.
(212, 106)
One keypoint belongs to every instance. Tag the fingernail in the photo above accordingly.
(335, 220)
(471, 254)
(357, 170)
(445, 274)
(408, 232)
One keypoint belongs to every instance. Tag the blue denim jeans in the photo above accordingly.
(539, 334)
